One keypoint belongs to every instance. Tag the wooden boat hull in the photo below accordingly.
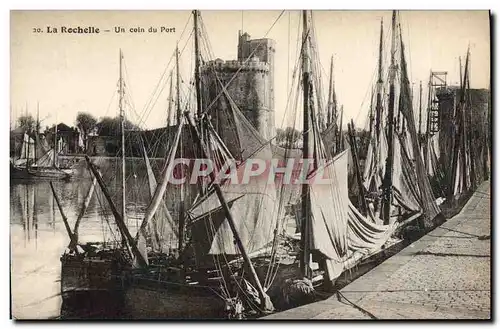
(40, 173)
(151, 299)
(91, 287)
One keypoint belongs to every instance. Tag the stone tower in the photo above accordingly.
(252, 89)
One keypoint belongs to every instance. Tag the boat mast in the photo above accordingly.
(420, 113)
(380, 82)
(357, 170)
(387, 185)
(170, 100)
(340, 139)
(469, 122)
(331, 97)
(179, 118)
(121, 93)
(37, 128)
(428, 125)
(464, 122)
(56, 151)
(197, 57)
(178, 86)
(197, 78)
(304, 260)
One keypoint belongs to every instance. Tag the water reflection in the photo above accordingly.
(38, 236)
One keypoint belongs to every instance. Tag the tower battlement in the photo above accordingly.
(236, 65)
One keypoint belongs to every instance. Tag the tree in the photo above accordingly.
(86, 122)
(108, 126)
(26, 122)
(287, 137)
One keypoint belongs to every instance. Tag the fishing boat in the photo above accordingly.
(29, 166)
(91, 284)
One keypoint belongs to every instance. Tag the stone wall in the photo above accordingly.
(251, 87)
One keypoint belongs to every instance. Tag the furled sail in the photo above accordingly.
(253, 204)
(162, 227)
(428, 204)
(339, 231)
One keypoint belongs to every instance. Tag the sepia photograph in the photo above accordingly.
(250, 164)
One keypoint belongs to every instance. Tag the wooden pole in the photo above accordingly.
(387, 185)
(357, 170)
(420, 114)
(329, 113)
(86, 203)
(306, 207)
(161, 188)
(170, 100)
(178, 87)
(122, 131)
(63, 215)
(380, 83)
(197, 57)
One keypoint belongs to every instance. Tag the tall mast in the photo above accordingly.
(357, 170)
(340, 139)
(178, 86)
(26, 147)
(380, 82)
(420, 112)
(461, 73)
(428, 124)
(197, 57)
(387, 185)
(469, 123)
(330, 96)
(170, 100)
(37, 128)
(56, 150)
(121, 93)
(464, 122)
(371, 117)
(197, 78)
(304, 260)
(179, 118)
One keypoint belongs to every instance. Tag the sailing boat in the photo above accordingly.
(204, 280)
(29, 166)
(397, 185)
(333, 233)
(91, 272)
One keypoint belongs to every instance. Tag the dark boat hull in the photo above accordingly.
(19, 173)
(91, 287)
(151, 299)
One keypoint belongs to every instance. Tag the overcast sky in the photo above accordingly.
(67, 73)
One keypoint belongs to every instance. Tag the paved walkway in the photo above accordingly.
(444, 275)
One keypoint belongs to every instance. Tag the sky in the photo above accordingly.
(67, 73)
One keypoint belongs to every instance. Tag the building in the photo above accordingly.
(448, 99)
(251, 87)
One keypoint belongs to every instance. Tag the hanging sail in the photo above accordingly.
(253, 204)
(27, 150)
(329, 208)
(46, 160)
(339, 231)
(429, 205)
(162, 227)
